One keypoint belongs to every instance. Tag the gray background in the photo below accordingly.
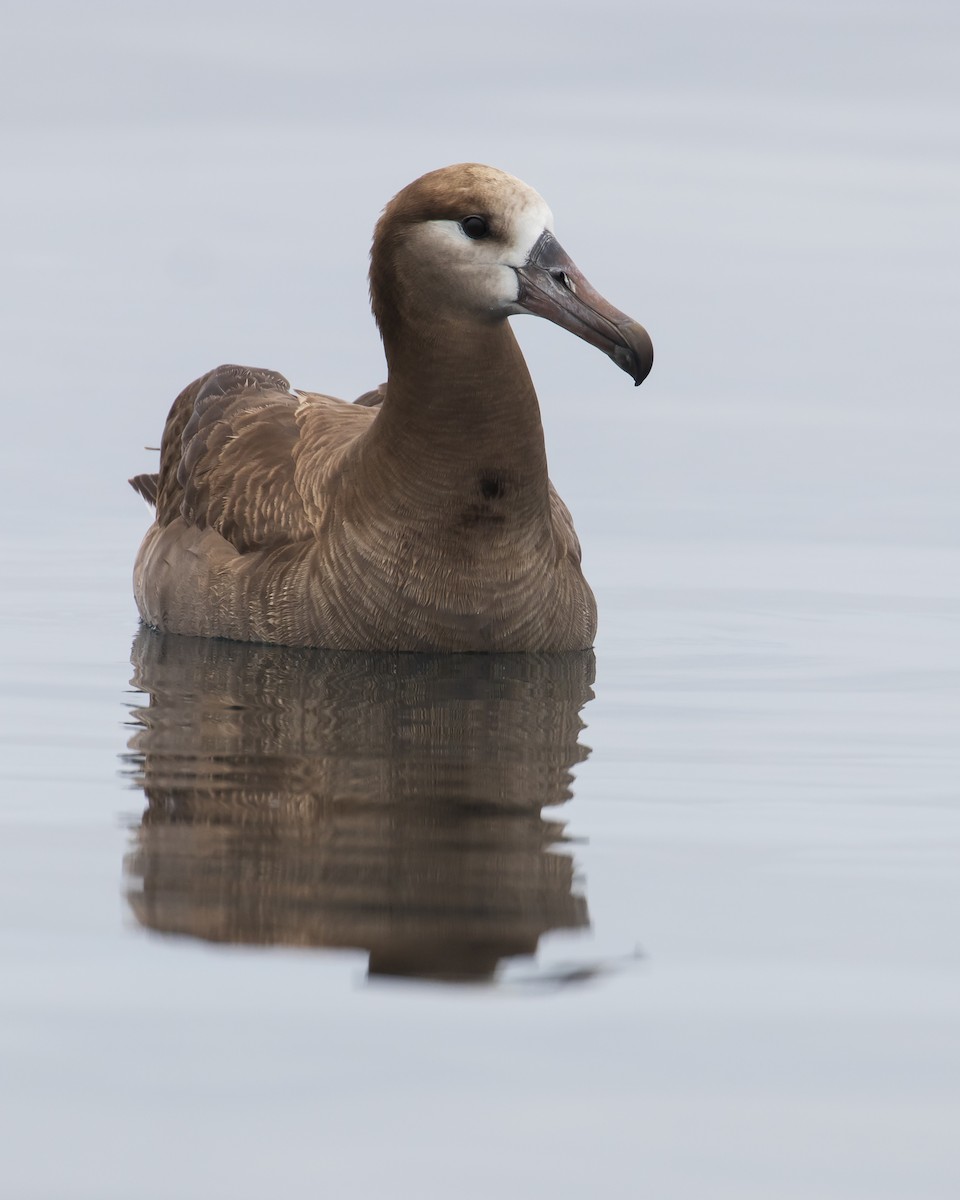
(771, 805)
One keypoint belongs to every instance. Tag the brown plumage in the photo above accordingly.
(420, 517)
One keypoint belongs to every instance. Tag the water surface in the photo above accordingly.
(389, 803)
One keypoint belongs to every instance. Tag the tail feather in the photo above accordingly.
(147, 487)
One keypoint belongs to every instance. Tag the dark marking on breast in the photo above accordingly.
(483, 514)
(492, 484)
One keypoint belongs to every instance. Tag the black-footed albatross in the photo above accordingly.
(421, 516)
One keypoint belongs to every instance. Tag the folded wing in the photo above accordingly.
(227, 460)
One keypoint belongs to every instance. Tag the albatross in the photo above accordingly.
(420, 517)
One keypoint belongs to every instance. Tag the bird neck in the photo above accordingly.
(461, 414)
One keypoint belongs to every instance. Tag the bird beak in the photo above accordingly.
(552, 286)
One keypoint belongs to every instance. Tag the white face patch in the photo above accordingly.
(527, 218)
(479, 274)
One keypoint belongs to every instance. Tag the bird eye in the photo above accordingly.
(475, 227)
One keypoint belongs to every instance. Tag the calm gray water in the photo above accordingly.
(677, 919)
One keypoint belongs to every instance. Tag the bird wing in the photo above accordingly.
(373, 398)
(229, 458)
(568, 542)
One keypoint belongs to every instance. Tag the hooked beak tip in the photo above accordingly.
(635, 355)
(552, 286)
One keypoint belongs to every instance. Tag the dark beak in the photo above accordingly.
(552, 286)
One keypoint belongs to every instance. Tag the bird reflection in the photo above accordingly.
(339, 799)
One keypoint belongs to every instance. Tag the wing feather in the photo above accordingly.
(232, 456)
(373, 398)
(227, 459)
